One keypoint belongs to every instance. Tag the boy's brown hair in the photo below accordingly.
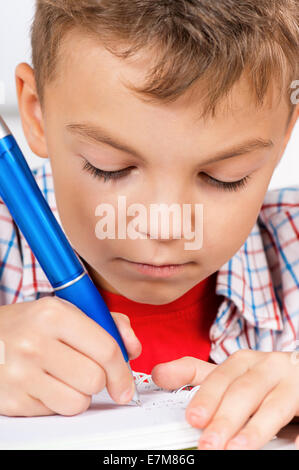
(213, 41)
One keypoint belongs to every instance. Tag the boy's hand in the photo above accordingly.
(56, 358)
(249, 397)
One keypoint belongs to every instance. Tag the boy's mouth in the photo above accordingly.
(158, 270)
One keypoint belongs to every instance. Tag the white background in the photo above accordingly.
(15, 21)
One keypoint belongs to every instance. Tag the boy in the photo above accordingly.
(181, 102)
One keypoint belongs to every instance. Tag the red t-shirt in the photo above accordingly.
(170, 331)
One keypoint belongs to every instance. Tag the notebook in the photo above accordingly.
(158, 424)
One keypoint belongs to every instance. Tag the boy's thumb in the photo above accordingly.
(132, 343)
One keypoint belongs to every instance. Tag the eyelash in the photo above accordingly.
(115, 175)
(107, 175)
(232, 186)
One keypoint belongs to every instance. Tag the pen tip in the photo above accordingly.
(136, 400)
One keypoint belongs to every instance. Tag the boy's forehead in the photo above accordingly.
(90, 71)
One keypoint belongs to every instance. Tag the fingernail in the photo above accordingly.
(127, 396)
(197, 415)
(237, 442)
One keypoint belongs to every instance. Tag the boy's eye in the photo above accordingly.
(227, 186)
(106, 175)
(115, 175)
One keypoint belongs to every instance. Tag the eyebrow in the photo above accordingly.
(98, 134)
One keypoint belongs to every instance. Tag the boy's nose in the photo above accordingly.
(170, 214)
(165, 226)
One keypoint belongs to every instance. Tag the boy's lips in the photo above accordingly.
(150, 263)
(158, 270)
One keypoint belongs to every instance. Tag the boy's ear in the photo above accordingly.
(30, 110)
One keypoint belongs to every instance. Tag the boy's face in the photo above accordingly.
(176, 151)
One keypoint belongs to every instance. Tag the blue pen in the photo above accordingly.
(62, 266)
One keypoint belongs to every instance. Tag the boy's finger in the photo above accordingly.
(132, 343)
(85, 375)
(270, 417)
(22, 404)
(213, 388)
(70, 325)
(183, 371)
(240, 400)
(56, 395)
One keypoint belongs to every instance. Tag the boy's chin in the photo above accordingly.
(151, 295)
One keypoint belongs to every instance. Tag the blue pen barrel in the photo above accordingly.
(84, 294)
(28, 207)
(31, 212)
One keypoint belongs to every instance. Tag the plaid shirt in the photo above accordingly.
(260, 308)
